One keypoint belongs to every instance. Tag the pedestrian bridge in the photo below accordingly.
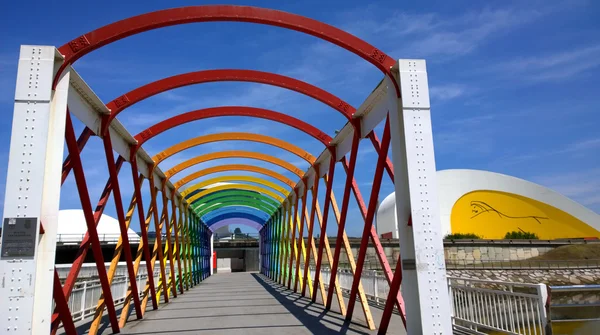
(243, 303)
(188, 202)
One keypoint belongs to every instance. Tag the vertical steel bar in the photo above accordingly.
(344, 214)
(311, 221)
(300, 236)
(89, 219)
(286, 241)
(370, 216)
(108, 150)
(184, 248)
(158, 231)
(293, 251)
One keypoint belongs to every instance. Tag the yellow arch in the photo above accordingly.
(236, 186)
(232, 136)
(234, 167)
(250, 179)
(234, 154)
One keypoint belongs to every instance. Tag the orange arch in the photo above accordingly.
(234, 154)
(232, 136)
(234, 167)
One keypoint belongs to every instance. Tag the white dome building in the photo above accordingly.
(491, 204)
(72, 228)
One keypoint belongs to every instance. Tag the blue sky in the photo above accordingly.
(514, 84)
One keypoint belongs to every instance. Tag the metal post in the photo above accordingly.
(32, 191)
(421, 246)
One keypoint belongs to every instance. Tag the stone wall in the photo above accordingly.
(458, 252)
(555, 277)
(465, 253)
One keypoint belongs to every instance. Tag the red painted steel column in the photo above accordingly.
(86, 205)
(389, 303)
(62, 306)
(300, 236)
(343, 215)
(157, 229)
(315, 195)
(364, 243)
(141, 218)
(324, 226)
(292, 244)
(108, 150)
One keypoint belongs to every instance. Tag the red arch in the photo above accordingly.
(210, 13)
(126, 100)
(200, 114)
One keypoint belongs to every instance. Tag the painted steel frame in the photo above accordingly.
(402, 115)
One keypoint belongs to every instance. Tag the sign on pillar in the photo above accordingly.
(424, 287)
(32, 193)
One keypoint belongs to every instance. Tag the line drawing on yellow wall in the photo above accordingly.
(480, 207)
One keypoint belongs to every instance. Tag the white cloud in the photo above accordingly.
(446, 92)
(558, 65)
(581, 147)
(433, 34)
(581, 186)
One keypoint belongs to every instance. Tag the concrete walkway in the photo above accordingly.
(248, 303)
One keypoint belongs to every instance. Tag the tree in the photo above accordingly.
(237, 230)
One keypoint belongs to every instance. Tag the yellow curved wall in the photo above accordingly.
(491, 214)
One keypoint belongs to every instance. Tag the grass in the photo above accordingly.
(571, 252)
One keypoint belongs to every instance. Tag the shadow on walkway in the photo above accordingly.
(313, 316)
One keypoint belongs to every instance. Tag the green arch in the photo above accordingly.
(256, 204)
(234, 193)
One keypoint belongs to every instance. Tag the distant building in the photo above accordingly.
(491, 204)
(72, 228)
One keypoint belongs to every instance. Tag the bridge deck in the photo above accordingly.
(247, 303)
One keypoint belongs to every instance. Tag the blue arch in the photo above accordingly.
(235, 209)
(239, 215)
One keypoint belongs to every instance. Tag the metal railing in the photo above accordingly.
(236, 237)
(509, 308)
(575, 303)
(84, 298)
(375, 285)
(523, 264)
